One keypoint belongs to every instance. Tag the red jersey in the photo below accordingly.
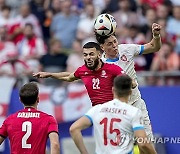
(28, 130)
(99, 83)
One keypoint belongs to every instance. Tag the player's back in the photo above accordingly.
(113, 128)
(28, 131)
(99, 83)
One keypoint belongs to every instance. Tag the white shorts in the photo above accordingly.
(140, 104)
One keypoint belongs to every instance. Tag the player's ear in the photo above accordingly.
(37, 99)
(102, 47)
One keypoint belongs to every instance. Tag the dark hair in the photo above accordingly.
(5, 7)
(29, 25)
(101, 39)
(29, 93)
(92, 45)
(122, 85)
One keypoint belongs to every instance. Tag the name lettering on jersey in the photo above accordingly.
(28, 115)
(103, 75)
(86, 73)
(114, 110)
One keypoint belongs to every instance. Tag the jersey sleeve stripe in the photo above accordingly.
(138, 128)
(112, 60)
(141, 50)
(89, 118)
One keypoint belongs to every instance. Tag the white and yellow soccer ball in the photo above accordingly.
(105, 25)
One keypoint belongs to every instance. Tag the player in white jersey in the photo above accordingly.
(123, 55)
(115, 124)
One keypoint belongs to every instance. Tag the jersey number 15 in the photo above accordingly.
(110, 130)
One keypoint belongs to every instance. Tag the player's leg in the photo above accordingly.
(147, 124)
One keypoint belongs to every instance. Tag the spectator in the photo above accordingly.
(13, 66)
(5, 18)
(16, 30)
(162, 11)
(173, 25)
(5, 45)
(166, 59)
(125, 17)
(31, 48)
(54, 61)
(85, 29)
(75, 59)
(64, 25)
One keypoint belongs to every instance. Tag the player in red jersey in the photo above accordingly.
(28, 129)
(97, 76)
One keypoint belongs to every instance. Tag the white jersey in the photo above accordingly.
(114, 125)
(127, 52)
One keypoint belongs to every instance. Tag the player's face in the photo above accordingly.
(110, 46)
(91, 58)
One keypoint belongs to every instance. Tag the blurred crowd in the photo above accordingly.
(47, 35)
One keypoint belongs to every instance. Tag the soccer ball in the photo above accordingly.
(105, 25)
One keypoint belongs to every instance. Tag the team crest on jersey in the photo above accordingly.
(123, 58)
(103, 75)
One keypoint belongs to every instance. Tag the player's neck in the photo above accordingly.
(31, 106)
(111, 56)
(99, 65)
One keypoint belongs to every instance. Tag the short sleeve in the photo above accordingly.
(77, 73)
(53, 126)
(133, 49)
(3, 130)
(91, 113)
(138, 49)
(137, 122)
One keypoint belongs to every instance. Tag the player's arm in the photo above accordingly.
(144, 144)
(54, 142)
(75, 131)
(155, 44)
(66, 76)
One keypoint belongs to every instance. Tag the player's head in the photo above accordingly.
(122, 86)
(29, 94)
(109, 44)
(92, 55)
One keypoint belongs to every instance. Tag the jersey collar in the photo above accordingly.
(111, 60)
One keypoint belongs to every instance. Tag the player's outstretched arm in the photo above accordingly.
(75, 131)
(144, 143)
(66, 76)
(54, 142)
(155, 44)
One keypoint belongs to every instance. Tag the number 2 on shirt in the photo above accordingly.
(26, 127)
(96, 83)
(110, 130)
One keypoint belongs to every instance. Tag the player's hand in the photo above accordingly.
(156, 28)
(42, 74)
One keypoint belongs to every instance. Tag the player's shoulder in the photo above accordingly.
(131, 109)
(82, 68)
(125, 48)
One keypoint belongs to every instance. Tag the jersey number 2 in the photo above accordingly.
(111, 130)
(26, 127)
(96, 83)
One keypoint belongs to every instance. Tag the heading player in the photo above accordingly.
(123, 55)
(96, 75)
(28, 129)
(115, 124)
